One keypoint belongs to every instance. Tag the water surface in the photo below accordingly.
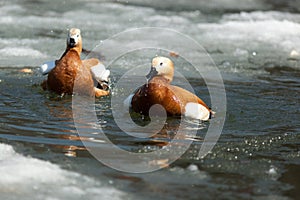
(255, 46)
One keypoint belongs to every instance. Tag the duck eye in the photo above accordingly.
(161, 64)
(77, 35)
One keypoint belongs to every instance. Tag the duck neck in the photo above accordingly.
(77, 48)
(160, 79)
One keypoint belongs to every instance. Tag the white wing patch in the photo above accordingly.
(100, 73)
(196, 111)
(127, 101)
(47, 67)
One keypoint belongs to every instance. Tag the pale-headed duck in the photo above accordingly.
(70, 67)
(158, 90)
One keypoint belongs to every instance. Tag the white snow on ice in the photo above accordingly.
(23, 176)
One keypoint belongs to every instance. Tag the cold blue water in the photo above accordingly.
(254, 44)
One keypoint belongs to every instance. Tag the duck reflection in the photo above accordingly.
(61, 122)
(61, 125)
(180, 129)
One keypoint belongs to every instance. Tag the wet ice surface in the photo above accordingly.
(255, 45)
(31, 178)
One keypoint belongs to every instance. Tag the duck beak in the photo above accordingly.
(72, 42)
(151, 74)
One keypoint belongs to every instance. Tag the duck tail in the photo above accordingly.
(211, 114)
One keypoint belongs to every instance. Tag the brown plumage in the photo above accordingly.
(159, 91)
(69, 67)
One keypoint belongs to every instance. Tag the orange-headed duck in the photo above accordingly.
(158, 90)
(62, 73)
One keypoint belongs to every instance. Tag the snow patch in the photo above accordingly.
(21, 177)
(21, 51)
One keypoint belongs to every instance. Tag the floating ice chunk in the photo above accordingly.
(240, 52)
(26, 178)
(294, 55)
(272, 171)
(192, 167)
(270, 34)
(203, 5)
(262, 16)
(21, 51)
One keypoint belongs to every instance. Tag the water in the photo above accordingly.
(255, 45)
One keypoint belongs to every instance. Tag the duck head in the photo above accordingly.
(74, 38)
(161, 66)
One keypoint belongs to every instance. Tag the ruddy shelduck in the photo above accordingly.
(158, 90)
(69, 67)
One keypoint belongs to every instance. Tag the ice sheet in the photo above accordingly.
(23, 176)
